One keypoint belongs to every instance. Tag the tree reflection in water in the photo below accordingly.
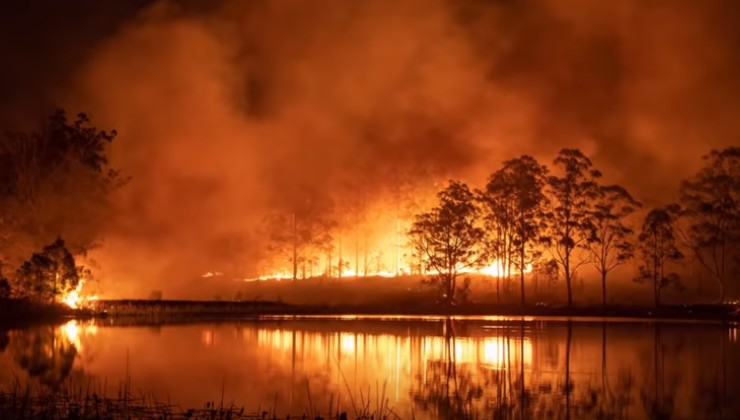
(46, 353)
(3, 340)
(453, 369)
(453, 389)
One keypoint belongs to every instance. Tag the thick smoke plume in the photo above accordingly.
(230, 111)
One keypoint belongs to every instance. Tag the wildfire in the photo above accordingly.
(75, 299)
(496, 269)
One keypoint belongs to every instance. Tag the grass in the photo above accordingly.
(69, 402)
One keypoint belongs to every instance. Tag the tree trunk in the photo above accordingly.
(295, 250)
(603, 288)
(721, 292)
(498, 288)
(566, 266)
(521, 273)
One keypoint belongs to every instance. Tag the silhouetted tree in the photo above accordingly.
(56, 180)
(572, 223)
(49, 273)
(4, 288)
(448, 237)
(497, 242)
(514, 204)
(301, 234)
(711, 202)
(656, 249)
(611, 246)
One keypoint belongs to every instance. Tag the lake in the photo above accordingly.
(409, 367)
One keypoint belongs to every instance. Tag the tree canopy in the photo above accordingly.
(54, 182)
(573, 191)
(448, 237)
(514, 206)
(710, 201)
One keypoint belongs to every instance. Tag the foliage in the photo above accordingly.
(448, 237)
(710, 202)
(656, 249)
(572, 221)
(611, 246)
(48, 274)
(514, 217)
(53, 181)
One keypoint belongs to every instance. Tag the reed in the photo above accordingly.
(91, 403)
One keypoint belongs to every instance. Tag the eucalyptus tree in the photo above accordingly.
(514, 203)
(56, 180)
(710, 202)
(448, 237)
(612, 245)
(49, 274)
(572, 191)
(657, 249)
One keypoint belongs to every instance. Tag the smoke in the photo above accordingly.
(229, 111)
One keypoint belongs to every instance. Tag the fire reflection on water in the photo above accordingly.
(430, 368)
(496, 351)
(74, 331)
(359, 359)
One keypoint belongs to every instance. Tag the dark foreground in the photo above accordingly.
(68, 404)
(18, 313)
(409, 367)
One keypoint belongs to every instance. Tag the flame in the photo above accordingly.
(75, 299)
(496, 269)
(374, 248)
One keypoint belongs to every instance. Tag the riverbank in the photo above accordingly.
(19, 313)
(183, 311)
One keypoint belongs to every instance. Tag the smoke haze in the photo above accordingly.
(228, 111)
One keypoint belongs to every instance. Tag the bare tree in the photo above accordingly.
(612, 246)
(448, 237)
(300, 235)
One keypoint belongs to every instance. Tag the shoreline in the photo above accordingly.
(20, 313)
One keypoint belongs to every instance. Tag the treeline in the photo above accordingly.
(561, 218)
(54, 183)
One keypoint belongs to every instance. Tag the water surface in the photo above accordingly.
(423, 368)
